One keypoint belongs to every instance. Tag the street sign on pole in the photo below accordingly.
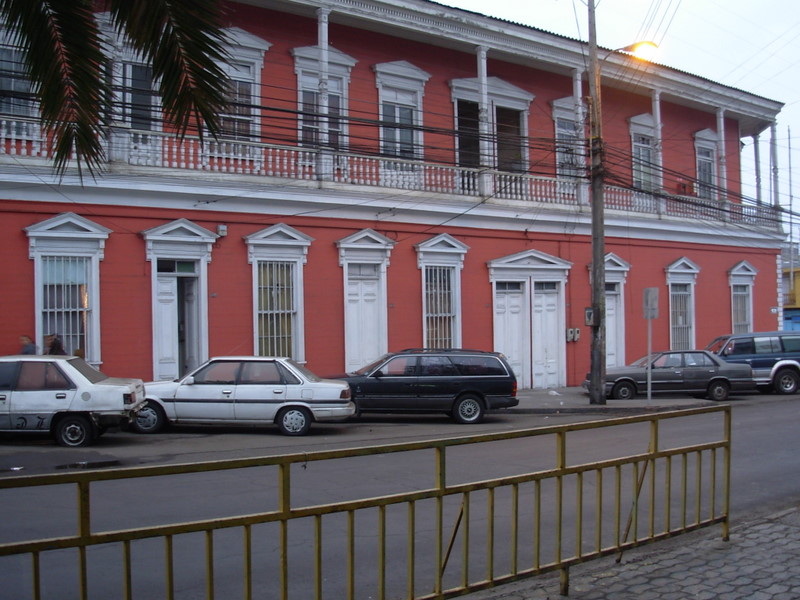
(650, 313)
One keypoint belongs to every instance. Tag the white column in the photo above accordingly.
(722, 177)
(484, 125)
(757, 160)
(773, 152)
(659, 160)
(324, 157)
(581, 129)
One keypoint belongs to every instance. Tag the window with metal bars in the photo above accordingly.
(681, 316)
(66, 309)
(741, 302)
(277, 308)
(440, 302)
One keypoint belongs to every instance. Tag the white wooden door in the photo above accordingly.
(165, 329)
(362, 322)
(512, 332)
(546, 338)
(613, 355)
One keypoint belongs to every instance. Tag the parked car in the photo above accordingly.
(774, 357)
(65, 397)
(461, 383)
(246, 390)
(696, 372)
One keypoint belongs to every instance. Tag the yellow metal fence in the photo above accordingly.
(461, 515)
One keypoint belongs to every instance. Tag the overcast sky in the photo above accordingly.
(753, 45)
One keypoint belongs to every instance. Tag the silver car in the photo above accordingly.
(246, 390)
(695, 372)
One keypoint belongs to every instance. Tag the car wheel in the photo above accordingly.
(150, 418)
(624, 390)
(718, 391)
(74, 431)
(786, 381)
(468, 410)
(294, 420)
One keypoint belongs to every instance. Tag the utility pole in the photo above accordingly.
(597, 370)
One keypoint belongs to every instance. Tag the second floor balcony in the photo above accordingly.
(285, 164)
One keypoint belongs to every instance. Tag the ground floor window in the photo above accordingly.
(277, 308)
(440, 315)
(66, 308)
(681, 316)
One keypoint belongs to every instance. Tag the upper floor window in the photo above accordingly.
(400, 91)
(238, 122)
(705, 147)
(316, 119)
(507, 127)
(645, 169)
(67, 250)
(570, 156)
(16, 96)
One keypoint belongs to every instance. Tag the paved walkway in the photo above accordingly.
(761, 561)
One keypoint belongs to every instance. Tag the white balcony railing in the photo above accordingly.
(22, 138)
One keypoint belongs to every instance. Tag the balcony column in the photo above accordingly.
(659, 146)
(324, 155)
(773, 158)
(485, 181)
(757, 165)
(722, 178)
(579, 112)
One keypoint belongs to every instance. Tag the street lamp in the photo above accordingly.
(597, 315)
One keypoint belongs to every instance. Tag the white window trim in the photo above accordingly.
(69, 234)
(706, 139)
(368, 247)
(500, 93)
(442, 250)
(683, 271)
(404, 77)
(743, 273)
(283, 243)
(181, 240)
(645, 124)
(307, 64)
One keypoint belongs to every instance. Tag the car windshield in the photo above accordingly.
(642, 362)
(371, 366)
(87, 370)
(309, 375)
(717, 344)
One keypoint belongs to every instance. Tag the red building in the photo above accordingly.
(391, 176)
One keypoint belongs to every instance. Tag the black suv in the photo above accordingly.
(462, 383)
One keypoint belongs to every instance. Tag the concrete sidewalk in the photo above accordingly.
(576, 400)
(761, 561)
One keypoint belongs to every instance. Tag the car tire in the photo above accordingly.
(786, 381)
(294, 420)
(468, 410)
(150, 418)
(74, 431)
(623, 390)
(718, 391)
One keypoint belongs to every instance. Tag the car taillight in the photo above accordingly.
(345, 395)
(127, 398)
(514, 389)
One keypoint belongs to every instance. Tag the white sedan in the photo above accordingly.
(246, 390)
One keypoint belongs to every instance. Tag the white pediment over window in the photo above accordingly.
(241, 39)
(742, 273)
(67, 231)
(181, 239)
(529, 263)
(366, 245)
(682, 270)
(278, 241)
(442, 249)
(616, 268)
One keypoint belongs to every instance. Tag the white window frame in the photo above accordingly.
(69, 235)
(645, 174)
(742, 275)
(706, 143)
(307, 68)
(570, 141)
(682, 272)
(500, 94)
(401, 84)
(442, 251)
(281, 244)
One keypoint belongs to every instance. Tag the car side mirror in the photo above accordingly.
(188, 381)
(378, 374)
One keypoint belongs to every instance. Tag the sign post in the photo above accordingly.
(650, 313)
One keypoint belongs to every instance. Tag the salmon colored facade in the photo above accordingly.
(399, 220)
